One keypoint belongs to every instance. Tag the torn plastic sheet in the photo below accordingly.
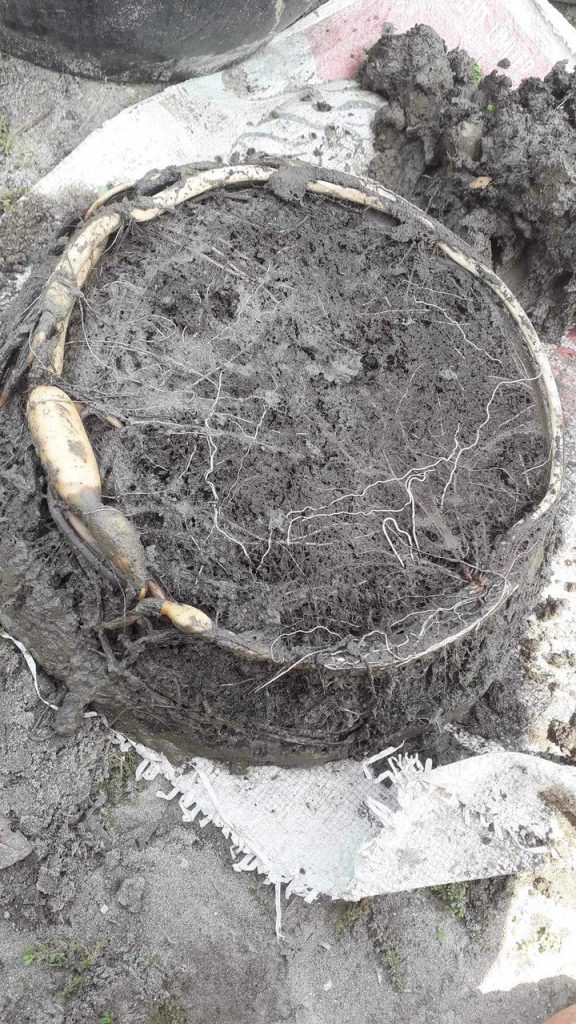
(350, 830)
(31, 666)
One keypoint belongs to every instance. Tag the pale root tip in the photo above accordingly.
(186, 618)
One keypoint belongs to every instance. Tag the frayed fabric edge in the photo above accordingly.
(154, 765)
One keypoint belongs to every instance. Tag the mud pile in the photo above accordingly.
(493, 163)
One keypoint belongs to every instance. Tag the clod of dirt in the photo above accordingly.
(131, 893)
(444, 126)
(320, 430)
(13, 845)
(564, 734)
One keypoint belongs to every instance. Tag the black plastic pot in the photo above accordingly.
(142, 40)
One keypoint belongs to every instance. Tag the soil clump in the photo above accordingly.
(493, 163)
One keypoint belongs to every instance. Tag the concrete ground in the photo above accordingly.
(122, 915)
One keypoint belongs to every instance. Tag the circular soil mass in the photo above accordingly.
(320, 427)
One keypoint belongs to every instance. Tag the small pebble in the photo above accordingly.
(369, 361)
(131, 893)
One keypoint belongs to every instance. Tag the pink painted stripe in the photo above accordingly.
(487, 30)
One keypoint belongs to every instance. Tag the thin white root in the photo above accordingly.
(549, 396)
(116, 190)
(198, 184)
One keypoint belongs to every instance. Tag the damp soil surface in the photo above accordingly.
(323, 421)
(493, 163)
(320, 428)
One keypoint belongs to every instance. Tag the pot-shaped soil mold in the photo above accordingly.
(280, 465)
(142, 40)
